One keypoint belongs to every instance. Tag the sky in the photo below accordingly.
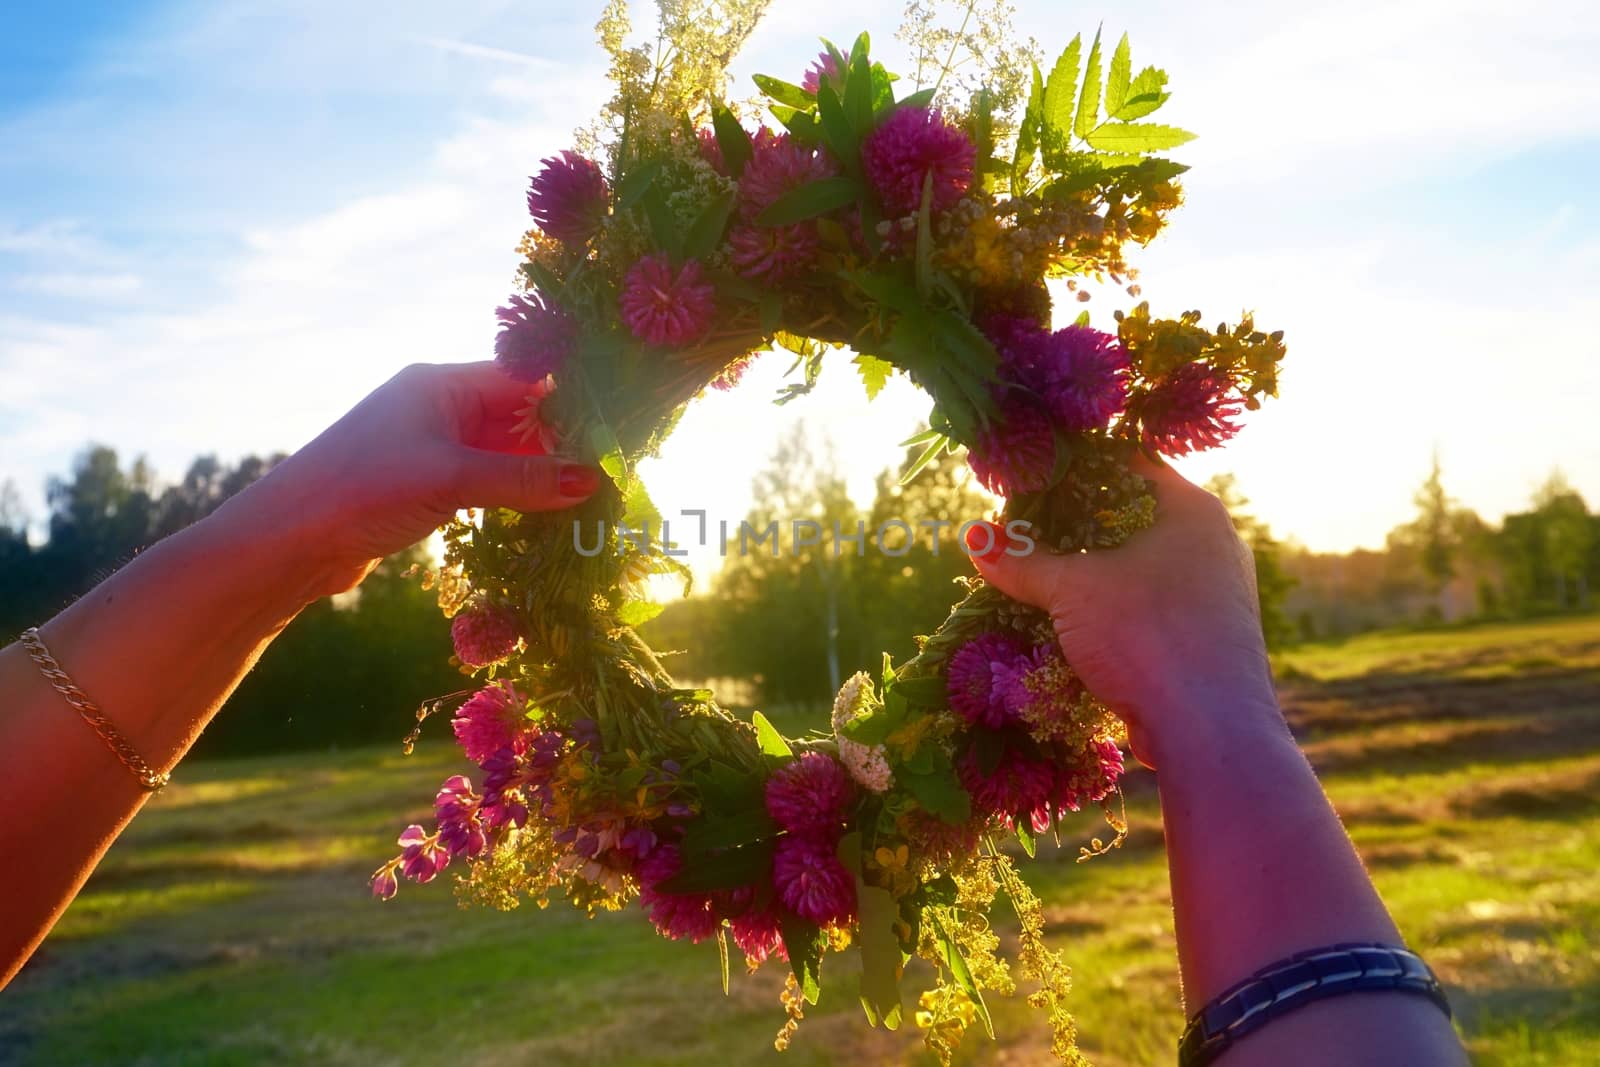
(221, 224)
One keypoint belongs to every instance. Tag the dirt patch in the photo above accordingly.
(1553, 796)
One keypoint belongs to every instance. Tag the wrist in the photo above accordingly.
(274, 540)
(1206, 726)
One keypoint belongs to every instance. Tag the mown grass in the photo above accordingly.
(231, 924)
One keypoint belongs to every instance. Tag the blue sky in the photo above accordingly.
(221, 223)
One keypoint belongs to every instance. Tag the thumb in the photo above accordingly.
(486, 479)
(1014, 562)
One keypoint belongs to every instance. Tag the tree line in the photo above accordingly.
(774, 629)
(349, 670)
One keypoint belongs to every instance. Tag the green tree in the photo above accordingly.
(908, 580)
(1547, 551)
(790, 618)
(1567, 535)
(1273, 582)
(1435, 530)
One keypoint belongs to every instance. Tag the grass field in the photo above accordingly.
(231, 924)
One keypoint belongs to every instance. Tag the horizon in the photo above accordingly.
(305, 201)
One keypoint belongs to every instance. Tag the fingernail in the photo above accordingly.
(577, 480)
(984, 541)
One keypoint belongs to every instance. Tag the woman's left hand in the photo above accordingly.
(430, 441)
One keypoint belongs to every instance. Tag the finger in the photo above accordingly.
(1019, 567)
(498, 412)
(486, 479)
(1139, 745)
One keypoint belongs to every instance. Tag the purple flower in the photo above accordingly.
(1018, 787)
(824, 70)
(976, 675)
(1021, 344)
(457, 809)
(484, 634)
(421, 855)
(384, 883)
(490, 720)
(677, 916)
(810, 795)
(1087, 382)
(567, 198)
(778, 166)
(911, 144)
(1017, 453)
(759, 934)
(773, 253)
(1088, 775)
(1040, 688)
(536, 338)
(811, 881)
(1190, 410)
(667, 307)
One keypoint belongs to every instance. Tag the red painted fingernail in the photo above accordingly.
(984, 541)
(576, 480)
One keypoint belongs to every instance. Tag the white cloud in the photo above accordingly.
(76, 285)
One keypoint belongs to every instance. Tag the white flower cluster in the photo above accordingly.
(867, 764)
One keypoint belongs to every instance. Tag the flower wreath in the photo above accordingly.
(918, 231)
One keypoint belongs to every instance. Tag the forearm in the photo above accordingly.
(158, 647)
(1261, 869)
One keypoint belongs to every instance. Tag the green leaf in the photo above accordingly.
(1117, 79)
(961, 972)
(1089, 101)
(732, 140)
(941, 890)
(664, 227)
(881, 959)
(939, 792)
(638, 612)
(1025, 838)
(741, 866)
(882, 90)
(810, 200)
(635, 182)
(920, 98)
(872, 728)
(608, 451)
(1061, 91)
(859, 49)
(727, 829)
(924, 260)
(804, 942)
(1160, 170)
(858, 90)
(706, 233)
(785, 93)
(1028, 135)
(726, 788)
(1145, 94)
(928, 692)
(543, 278)
(722, 951)
(936, 446)
(802, 124)
(638, 510)
(1082, 319)
(769, 740)
(874, 373)
(837, 130)
(1137, 137)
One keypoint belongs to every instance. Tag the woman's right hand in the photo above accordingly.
(1166, 628)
